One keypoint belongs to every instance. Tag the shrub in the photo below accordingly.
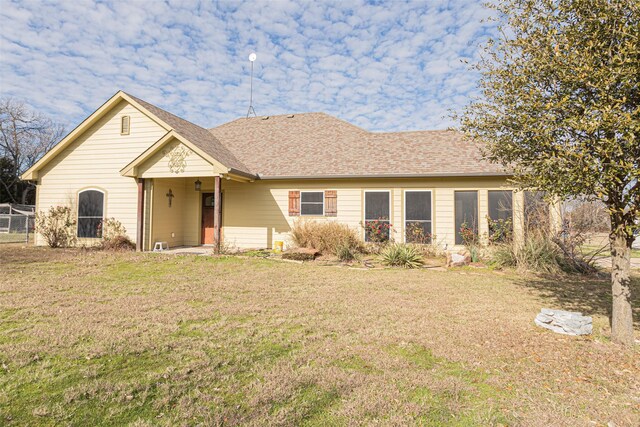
(416, 234)
(300, 254)
(326, 237)
(537, 253)
(402, 255)
(377, 230)
(346, 253)
(432, 250)
(471, 241)
(500, 230)
(540, 252)
(114, 236)
(57, 226)
(118, 243)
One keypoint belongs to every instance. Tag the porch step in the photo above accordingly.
(160, 246)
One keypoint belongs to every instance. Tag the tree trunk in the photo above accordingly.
(25, 194)
(621, 316)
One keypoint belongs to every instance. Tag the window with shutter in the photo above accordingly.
(311, 203)
(294, 203)
(331, 203)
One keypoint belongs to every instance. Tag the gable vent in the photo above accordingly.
(125, 125)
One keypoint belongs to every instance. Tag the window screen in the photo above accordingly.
(90, 213)
(376, 210)
(536, 210)
(500, 205)
(312, 203)
(466, 212)
(418, 216)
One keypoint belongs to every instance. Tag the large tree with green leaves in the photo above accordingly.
(560, 106)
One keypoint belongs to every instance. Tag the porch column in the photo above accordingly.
(216, 214)
(140, 225)
(518, 218)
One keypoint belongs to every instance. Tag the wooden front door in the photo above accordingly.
(208, 213)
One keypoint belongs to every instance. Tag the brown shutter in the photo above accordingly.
(294, 203)
(331, 203)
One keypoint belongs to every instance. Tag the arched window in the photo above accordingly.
(90, 213)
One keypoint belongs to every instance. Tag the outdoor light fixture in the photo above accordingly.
(198, 185)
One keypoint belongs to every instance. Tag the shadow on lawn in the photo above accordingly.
(588, 294)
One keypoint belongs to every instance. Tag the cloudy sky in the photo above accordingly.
(385, 66)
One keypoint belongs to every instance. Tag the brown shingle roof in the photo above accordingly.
(319, 145)
(197, 135)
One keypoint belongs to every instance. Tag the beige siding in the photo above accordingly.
(168, 220)
(178, 225)
(483, 211)
(443, 214)
(256, 214)
(157, 166)
(94, 160)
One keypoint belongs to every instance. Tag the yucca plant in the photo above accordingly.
(402, 255)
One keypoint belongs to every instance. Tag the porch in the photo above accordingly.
(180, 194)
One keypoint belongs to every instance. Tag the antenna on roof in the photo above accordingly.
(252, 58)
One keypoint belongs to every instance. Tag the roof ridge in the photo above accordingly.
(309, 113)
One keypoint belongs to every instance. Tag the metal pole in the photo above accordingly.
(251, 109)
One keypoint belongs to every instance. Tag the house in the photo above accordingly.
(244, 183)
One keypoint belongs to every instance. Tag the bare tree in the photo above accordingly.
(25, 135)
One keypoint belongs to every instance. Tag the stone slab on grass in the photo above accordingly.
(564, 322)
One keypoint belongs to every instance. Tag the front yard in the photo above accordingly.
(90, 337)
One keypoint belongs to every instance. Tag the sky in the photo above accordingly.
(384, 66)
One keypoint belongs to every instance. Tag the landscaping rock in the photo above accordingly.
(300, 254)
(457, 259)
(564, 322)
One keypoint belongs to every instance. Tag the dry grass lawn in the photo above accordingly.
(94, 338)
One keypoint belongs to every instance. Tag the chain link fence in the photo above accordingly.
(16, 223)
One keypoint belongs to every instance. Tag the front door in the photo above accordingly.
(208, 214)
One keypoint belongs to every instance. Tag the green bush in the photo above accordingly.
(402, 255)
(328, 237)
(57, 226)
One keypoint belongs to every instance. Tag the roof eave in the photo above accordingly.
(429, 175)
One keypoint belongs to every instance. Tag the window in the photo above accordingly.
(500, 205)
(417, 216)
(312, 203)
(125, 125)
(466, 212)
(500, 215)
(90, 213)
(376, 216)
(536, 210)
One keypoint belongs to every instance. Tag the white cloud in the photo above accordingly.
(385, 67)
